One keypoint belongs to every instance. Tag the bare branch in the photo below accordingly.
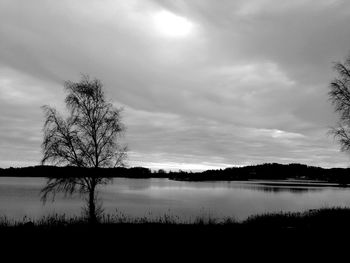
(86, 138)
(339, 95)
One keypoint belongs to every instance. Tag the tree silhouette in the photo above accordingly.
(340, 96)
(87, 138)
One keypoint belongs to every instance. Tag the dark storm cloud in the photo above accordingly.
(247, 85)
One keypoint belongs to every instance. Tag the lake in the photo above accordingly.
(20, 197)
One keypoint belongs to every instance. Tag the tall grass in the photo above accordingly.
(324, 217)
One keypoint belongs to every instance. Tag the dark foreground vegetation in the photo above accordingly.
(269, 171)
(324, 218)
(313, 231)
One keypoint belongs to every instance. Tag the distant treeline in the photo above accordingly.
(269, 171)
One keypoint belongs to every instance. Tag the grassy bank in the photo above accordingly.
(314, 232)
(318, 218)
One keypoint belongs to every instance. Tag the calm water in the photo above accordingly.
(20, 197)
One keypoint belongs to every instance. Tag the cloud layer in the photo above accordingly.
(247, 85)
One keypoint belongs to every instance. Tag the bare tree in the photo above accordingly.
(86, 138)
(340, 96)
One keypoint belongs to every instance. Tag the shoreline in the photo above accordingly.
(268, 171)
(281, 183)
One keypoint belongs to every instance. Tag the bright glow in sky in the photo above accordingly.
(171, 25)
(203, 83)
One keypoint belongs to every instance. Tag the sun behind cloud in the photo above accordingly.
(171, 25)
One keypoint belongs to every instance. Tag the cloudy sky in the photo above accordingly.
(204, 83)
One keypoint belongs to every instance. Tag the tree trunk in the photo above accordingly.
(92, 205)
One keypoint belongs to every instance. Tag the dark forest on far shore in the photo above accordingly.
(268, 171)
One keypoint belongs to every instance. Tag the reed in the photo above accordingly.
(315, 218)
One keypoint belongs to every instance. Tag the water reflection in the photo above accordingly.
(156, 197)
(293, 186)
(278, 189)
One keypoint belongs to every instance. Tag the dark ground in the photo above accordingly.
(322, 234)
(169, 242)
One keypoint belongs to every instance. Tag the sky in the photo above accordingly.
(204, 84)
